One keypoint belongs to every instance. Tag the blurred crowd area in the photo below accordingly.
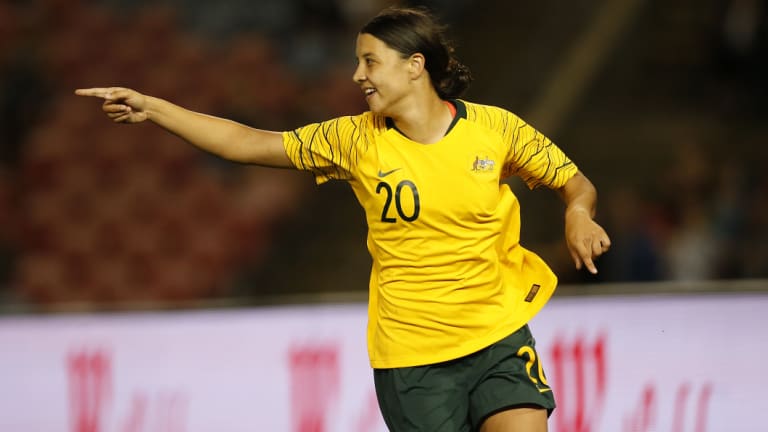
(672, 130)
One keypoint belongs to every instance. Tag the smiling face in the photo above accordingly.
(383, 74)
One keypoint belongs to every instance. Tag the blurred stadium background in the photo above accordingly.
(661, 103)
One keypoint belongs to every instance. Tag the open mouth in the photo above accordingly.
(369, 92)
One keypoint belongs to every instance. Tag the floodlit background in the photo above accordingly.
(660, 103)
(241, 290)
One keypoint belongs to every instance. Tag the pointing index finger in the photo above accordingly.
(590, 265)
(95, 92)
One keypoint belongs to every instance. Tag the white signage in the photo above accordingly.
(617, 364)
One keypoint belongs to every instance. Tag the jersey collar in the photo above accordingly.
(461, 112)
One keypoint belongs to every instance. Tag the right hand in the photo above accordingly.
(122, 105)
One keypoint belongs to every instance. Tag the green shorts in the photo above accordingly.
(458, 395)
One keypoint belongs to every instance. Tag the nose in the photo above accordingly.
(359, 75)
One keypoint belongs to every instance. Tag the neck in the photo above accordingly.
(425, 121)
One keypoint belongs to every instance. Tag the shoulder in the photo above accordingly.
(490, 116)
(364, 122)
(343, 127)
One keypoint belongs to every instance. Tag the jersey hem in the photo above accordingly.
(464, 350)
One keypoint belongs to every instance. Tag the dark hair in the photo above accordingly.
(415, 30)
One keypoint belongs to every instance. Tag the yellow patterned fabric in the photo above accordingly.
(449, 276)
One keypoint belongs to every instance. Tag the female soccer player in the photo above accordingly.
(451, 288)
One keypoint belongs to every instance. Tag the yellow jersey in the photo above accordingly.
(449, 276)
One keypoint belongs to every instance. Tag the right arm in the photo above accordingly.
(225, 138)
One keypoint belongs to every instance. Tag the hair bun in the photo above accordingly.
(455, 81)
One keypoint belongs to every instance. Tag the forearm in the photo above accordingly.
(225, 138)
(585, 238)
(579, 195)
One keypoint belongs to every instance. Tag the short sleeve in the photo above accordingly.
(329, 150)
(533, 157)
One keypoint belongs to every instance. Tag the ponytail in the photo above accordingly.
(454, 81)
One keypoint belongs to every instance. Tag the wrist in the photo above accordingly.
(573, 210)
(152, 106)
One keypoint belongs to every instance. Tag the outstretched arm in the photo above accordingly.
(586, 239)
(225, 138)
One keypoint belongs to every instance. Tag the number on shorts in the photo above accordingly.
(530, 355)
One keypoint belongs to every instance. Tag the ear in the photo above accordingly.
(416, 65)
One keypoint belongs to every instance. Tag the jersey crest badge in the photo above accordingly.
(483, 165)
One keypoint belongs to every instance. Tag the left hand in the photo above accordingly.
(586, 239)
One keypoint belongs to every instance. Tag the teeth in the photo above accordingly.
(369, 91)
